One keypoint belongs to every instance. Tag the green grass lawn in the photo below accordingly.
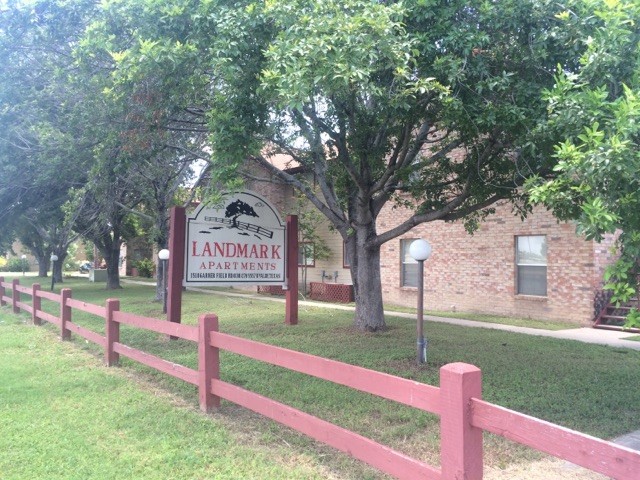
(65, 416)
(585, 387)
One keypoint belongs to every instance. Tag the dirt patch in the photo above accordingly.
(546, 469)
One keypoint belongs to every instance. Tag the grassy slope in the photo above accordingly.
(584, 387)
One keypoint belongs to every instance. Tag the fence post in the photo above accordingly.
(208, 362)
(15, 295)
(2, 293)
(65, 314)
(36, 304)
(461, 443)
(112, 329)
(291, 295)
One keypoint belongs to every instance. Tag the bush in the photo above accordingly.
(15, 264)
(70, 263)
(145, 267)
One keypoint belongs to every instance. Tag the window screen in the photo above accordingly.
(531, 265)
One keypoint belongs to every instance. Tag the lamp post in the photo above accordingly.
(163, 255)
(420, 250)
(54, 259)
(24, 264)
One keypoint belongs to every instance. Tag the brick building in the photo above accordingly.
(536, 268)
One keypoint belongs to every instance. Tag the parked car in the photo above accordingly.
(85, 267)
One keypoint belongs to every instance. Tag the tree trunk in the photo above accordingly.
(160, 275)
(112, 259)
(162, 241)
(367, 286)
(43, 265)
(303, 277)
(57, 268)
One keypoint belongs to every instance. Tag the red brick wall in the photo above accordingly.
(476, 273)
(278, 194)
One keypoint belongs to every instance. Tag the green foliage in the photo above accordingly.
(70, 262)
(14, 264)
(633, 319)
(145, 267)
(88, 250)
(374, 98)
(309, 223)
(67, 107)
(595, 106)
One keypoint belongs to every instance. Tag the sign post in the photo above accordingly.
(176, 264)
(291, 295)
(239, 241)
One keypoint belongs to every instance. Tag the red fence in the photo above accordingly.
(463, 414)
(331, 292)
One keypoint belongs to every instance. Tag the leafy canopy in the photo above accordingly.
(596, 107)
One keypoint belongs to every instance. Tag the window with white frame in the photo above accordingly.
(531, 265)
(409, 266)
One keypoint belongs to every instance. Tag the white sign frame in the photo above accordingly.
(240, 241)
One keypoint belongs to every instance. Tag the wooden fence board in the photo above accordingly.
(25, 306)
(401, 390)
(188, 332)
(86, 333)
(48, 317)
(379, 456)
(593, 453)
(87, 307)
(179, 371)
(54, 297)
(23, 289)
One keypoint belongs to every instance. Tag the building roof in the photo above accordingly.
(283, 162)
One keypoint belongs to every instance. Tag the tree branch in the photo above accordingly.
(335, 216)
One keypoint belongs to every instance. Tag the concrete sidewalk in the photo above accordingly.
(610, 338)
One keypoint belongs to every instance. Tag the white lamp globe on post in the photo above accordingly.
(163, 255)
(420, 250)
(24, 264)
(54, 259)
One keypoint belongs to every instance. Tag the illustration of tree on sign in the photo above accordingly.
(236, 209)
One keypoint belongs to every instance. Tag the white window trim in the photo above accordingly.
(519, 265)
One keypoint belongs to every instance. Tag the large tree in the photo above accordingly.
(430, 105)
(595, 107)
(81, 148)
(161, 127)
(43, 153)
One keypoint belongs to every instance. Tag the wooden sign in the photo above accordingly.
(239, 241)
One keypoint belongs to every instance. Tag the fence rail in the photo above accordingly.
(463, 414)
(401, 390)
(173, 329)
(593, 453)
